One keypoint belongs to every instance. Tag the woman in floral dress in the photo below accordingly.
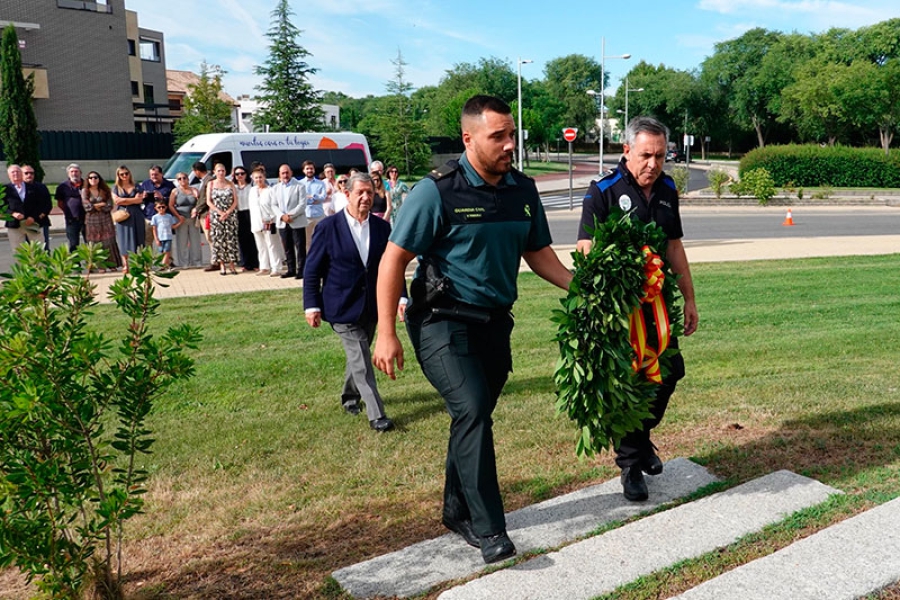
(96, 197)
(222, 200)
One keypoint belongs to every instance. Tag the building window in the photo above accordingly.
(148, 94)
(132, 48)
(175, 104)
(135, 90)
(150, 50)
(101, 6)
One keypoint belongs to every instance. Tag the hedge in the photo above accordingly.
(817, 166)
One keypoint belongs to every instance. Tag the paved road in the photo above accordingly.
(757, 222)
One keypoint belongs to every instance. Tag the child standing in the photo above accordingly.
(163, 225)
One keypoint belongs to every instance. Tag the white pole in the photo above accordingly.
(521, 142)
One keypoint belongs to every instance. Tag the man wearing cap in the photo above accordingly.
(638, 184)
(68, 198)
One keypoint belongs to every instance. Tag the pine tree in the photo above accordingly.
(204, 109)
(19, 130)
(289, 102)
(400, 136)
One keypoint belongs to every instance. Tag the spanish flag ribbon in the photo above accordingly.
(647, 358)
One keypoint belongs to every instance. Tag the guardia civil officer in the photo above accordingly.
(638, 184)
(470, 222)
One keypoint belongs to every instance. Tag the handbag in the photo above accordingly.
(120, 215)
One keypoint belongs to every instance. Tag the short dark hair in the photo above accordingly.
(307, 162)
(199, 166)
(156, 168)
(476, 105)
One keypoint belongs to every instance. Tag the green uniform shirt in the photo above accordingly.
(477, 234)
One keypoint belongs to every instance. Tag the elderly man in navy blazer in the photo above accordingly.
(25, 207)
(339, 287)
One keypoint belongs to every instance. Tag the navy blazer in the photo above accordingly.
(33, 206)
(335, 279)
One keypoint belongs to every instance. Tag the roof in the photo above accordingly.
(179, 81)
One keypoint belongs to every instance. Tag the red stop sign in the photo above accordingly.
(569, 133)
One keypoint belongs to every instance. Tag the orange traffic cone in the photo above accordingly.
(789, 219)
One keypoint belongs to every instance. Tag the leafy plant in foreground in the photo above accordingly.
(597, 385)
(73, 411)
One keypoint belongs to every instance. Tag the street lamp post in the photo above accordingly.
(603, 58)
(627, 89)
(521, 142)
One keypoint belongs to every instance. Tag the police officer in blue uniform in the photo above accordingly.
(470, 222)
(638, 184)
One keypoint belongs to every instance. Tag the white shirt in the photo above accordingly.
(361, 237)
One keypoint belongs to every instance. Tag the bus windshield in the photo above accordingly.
(181, 162)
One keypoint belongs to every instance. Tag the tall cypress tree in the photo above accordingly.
(289, 101)
(19, 130)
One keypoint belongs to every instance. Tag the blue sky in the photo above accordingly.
(353, 42)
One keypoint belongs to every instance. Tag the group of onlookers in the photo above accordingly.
(266, 229)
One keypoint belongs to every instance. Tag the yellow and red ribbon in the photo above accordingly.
(647, 357)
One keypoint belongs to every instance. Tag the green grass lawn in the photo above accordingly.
(261, 486)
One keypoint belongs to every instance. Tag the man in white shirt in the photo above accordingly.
(339, 285)
(316, 195)
(289, 205)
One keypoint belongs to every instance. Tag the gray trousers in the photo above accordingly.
(359, 376)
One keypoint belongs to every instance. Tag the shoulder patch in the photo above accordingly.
(444, 170)
(607, 181)
(669, 182)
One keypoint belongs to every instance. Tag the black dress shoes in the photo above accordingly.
(288, 275)
(497, 547)
(651, 465)
(381, 425)
(633, 485)
(464, 528)
(352, 408)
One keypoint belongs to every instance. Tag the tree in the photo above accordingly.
(399, 134)
(568, 79)
(736, 67)
(491, 76)
(204, 109)
(19, 133)
(289, 101)
(73, 416)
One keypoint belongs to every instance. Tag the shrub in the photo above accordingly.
(718, 179)
(757, 183)
(73, 407)
(681, 175)
(815, 166)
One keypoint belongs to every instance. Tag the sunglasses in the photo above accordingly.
(180, 178)
(93, 177)
(342, 181)
(236, 173)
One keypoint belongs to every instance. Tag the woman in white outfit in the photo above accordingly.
(262, 218)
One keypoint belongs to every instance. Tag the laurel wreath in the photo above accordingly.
(596, 383)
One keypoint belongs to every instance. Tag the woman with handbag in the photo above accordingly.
(96, 198)
(262, 224)
(130, 232)
(187, 250)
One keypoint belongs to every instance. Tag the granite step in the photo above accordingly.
(602, 563)
(848, 560)
(548, 524)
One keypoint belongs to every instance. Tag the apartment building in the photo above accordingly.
(95, 68)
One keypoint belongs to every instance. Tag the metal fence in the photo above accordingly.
(104, 145)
